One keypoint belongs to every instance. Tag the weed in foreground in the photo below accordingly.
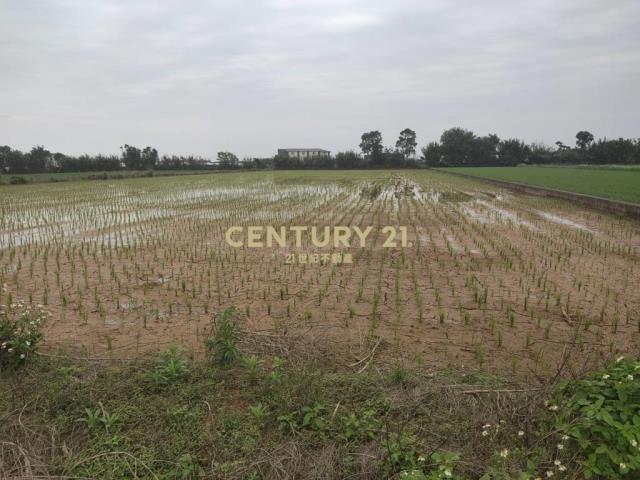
(599, 420)
(171, 368)
(20, 333)
(223, 345)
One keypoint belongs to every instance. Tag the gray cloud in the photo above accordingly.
(198, 77)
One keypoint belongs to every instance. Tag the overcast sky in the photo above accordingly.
(196, 77)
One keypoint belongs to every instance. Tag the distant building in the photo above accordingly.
(303, 153)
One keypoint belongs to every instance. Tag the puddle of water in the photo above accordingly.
(476, 215)
(505, 216)
(563, 221)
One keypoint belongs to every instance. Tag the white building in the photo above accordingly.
(303, 153)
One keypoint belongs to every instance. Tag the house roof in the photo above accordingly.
(303, 149)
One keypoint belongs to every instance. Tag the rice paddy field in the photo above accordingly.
(617, 183)
(489, 281)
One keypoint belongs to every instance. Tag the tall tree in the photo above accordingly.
(431, 154)
(485, 151)
(512, 152)
(583, 139)
(131, 157)
(60, 161)
(15, 161)
(39, 159)
(227, 160)
(371, 146)
(457, 146)
(406, 143)
(621, 151)
(5, 153)
(149, 158)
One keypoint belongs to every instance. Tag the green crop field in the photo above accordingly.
(615, 183)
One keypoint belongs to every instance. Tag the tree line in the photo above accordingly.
(41, 160)
(457, 147)
(460, 147)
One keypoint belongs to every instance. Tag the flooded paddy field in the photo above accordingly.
(488, 280)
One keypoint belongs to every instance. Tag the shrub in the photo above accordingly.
(599, 421)
(98, 176)
(360, 427)
(444, 463)
(441, 465)
(402, 453)
(99, 418)
(308, 417)
(172, 368)
(186, 467)
(14, 180)
(223, 345)
(259, 412)
(252, 364)
(20, 333)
